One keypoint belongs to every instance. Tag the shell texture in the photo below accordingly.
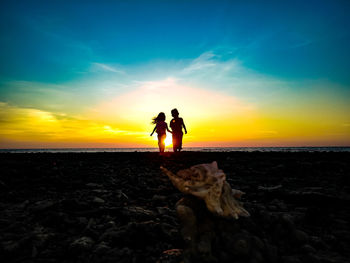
(208, 182)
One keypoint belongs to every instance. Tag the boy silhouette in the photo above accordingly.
(176, 125)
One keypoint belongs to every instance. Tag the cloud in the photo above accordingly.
(208, 71)
(61, 97)
(31, 94)
(104, 67)
(42, 127)
(220, 70)
(203, 110)
(154, 96)
(219, 98)
(203, 62)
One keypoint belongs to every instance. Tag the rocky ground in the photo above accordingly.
(119, 207)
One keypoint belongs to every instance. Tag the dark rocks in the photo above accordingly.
(42, 205)
(138, 213)
(271, 253)
(93, 185)
(290, 259)
(101, 248)
(74, 205)
(171, 256)
(82, 244)
(209, 238)
(308, 249)
(10, 247)
(119, 208)
(161, 198)
(98, 200)
(300, 237)
(241, 246)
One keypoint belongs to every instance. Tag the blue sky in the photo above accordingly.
(290, 56)
(56, 41)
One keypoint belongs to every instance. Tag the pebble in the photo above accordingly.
(41, 205)
(98, 200)
(161, 198)
(93, 185)
(82, 244)
(300, 237)
(241, 247)
(171, 256)
(290, 259)
(138, 213)
(101, 248)
(308, 249)
(164, 210)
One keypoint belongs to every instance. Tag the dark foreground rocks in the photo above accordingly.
(119, 207)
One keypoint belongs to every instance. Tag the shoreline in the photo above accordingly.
(187, 149)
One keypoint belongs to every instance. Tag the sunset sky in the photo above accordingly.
(241, 73)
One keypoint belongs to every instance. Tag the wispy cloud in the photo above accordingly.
(38, 126)
(105, 67)
(218, 96)
(203, 62)
(220, 70)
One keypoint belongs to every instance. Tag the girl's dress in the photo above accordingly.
(161, 129)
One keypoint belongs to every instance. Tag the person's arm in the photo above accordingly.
(168, 128)
(154, 130)
(183, 124)
(171, 127)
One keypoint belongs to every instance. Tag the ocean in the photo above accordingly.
(192, 149)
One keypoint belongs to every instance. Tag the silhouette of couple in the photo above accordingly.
(176, 125)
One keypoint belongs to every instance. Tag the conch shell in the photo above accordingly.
(207, 182)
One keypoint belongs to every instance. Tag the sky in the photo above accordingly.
(240, 73)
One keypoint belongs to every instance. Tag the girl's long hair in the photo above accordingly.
(160, 117)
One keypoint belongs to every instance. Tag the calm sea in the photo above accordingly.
(194, 149)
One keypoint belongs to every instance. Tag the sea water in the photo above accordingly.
(189, 149)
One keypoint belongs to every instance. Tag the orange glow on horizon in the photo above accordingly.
(213, 119)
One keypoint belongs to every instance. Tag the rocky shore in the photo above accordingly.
(120, 207)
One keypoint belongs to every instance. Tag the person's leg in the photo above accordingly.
(180, 141)
(174, 142)
(162, 142)
(177, 142)
(159, 144)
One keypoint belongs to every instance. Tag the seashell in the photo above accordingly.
(208, 182)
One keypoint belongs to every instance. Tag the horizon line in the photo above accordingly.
(40, 148)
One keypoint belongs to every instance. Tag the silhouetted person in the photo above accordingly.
(176, 125)
(161, 128)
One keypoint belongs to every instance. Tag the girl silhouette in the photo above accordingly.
(161, 127)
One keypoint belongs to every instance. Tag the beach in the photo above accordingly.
(120, 207)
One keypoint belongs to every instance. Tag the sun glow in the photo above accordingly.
(212, 119)
(168, 140)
